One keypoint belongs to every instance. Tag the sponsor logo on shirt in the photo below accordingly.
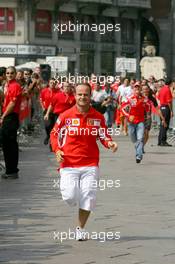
(75, 122)
(72, 121)
(68, 122)
(133, 102)
(58, 121)
(93, 122)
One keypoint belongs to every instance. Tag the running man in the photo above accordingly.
(134, 109)
(78, 154)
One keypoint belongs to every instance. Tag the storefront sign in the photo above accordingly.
(8, 49)
(125, 64)
(36, 50)
(27, 50)
(58, 63)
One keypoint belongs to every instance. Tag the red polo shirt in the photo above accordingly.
(76, 135)
(62, 102)
(46, 96)
(165, 96)
(12, 93)
(135, 106)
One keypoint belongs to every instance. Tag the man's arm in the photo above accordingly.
(161, 116)
(9, 110)
(54, 140)
(41, 103)
(125, 108)
(105, 138)
(32, 85)
(171, 108)
(154, 101)
(41, 97)
(170, 101)
(49, 110)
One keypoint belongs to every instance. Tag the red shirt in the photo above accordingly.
(114, 86)
(135, 106)
(12, 93)
(165, 96)
(46, 96)
(76, 135)
(62, 102)
(92, 84)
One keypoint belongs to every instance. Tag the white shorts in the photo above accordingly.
(79, 185)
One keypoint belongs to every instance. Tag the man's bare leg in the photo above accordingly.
(83, 217)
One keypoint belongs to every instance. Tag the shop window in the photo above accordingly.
(107, 63)
(127, 31)
(88, 35)
(43, 23)
(64, 20)
(86, 62)
(7, 21)
(108, 36)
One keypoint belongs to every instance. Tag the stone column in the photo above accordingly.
(137, 41)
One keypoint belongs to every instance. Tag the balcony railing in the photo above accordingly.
(97, 1)
(135, 3)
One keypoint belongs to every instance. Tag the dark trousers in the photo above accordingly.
(163, 130)
(49, 124)
(9, 142)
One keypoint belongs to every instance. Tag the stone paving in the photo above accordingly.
(141, 209)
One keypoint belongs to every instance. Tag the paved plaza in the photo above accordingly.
(141, 209)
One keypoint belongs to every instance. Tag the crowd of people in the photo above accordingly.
(127, 103)
(68, 109)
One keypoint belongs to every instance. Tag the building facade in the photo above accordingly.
(28, 32)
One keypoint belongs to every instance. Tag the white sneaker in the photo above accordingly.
(80, 234)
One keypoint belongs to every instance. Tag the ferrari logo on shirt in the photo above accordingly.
(93, 122)
(72, 121)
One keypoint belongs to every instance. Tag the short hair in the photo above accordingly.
(84, 84)
(2, 71)
(35, 75)
(146, 86)
(27, 70)
(12, 68)
(52, 79)
(20, 71)
(168, 81)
